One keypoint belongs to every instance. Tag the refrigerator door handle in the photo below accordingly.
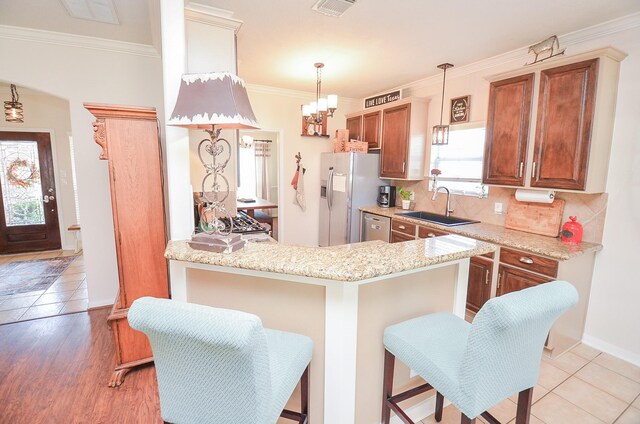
(330, 188)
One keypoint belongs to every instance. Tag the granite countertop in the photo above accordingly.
(351, 262)
(533, 243)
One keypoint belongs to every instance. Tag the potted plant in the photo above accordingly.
(406, 197)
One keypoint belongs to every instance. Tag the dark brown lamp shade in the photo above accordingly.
(216, 98)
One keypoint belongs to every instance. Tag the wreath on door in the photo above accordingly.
(22, 173)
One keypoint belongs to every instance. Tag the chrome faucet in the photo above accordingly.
(448, 210)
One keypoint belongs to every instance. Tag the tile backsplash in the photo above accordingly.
(589, 208)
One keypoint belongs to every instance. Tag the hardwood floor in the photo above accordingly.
(56, 370)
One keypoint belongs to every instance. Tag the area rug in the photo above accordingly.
(34, 275)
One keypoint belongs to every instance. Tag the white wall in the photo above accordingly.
(80, 75)
(278, 109)
(613, 315)
(44, 113)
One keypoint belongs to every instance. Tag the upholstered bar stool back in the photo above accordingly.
(221, 366)
(478, 365)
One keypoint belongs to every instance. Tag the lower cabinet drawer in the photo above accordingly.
(426, 232)
(529, 262)
(403, 227)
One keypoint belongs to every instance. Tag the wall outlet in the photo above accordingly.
(497, 208)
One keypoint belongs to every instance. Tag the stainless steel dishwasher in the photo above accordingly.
(375, 227)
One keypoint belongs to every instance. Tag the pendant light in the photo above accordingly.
(13, 108)
(440, 134)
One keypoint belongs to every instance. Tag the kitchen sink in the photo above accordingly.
(448, 221)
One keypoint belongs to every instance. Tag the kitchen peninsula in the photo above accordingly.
(342, 297)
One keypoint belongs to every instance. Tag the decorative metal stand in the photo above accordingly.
(214, 207)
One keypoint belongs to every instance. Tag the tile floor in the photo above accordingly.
(582, 386)
(66, 295)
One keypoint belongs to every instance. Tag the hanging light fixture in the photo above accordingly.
(440, 134)
(13, 108)
(316, 113)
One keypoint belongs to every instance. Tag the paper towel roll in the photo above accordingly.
(535, 196)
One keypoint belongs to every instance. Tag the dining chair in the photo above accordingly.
(475, 366)
(221, 366)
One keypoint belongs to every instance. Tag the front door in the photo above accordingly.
(28, 204)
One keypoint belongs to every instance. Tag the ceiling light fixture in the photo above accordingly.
(316, 113)
(13, 108)
(440, 134)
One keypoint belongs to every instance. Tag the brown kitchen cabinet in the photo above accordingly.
(395, 133)
(402, 231)
(371, 123)
(514, 279)
(365, 127)
(354, 125)
(507, 133)
(572, 123)
(519, 270)
(399, 130)
(566, 103)
(130, 144)
(479, 286)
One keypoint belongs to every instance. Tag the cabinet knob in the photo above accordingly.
(521, 168)
(526, 260)
(431, 235)
(486, 278)
(402, 227)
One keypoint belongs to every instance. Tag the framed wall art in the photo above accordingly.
(460, 110)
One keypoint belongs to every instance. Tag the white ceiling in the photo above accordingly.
(374, 46)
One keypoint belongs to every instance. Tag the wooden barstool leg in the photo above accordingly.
(439, 404)
(524, 406)
(304, 395)
(387, 385)
(466, 420)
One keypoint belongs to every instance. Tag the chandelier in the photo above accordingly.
(13, 108)
(315, 113)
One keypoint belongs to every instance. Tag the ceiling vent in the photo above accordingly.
(93, 10)
(333, 7)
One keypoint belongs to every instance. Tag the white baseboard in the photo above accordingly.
(611, 349)
(100, 303)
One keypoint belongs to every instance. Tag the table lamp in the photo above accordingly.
(212, 102)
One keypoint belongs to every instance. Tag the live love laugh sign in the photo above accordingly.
(382, 99)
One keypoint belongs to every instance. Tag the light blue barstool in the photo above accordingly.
(477, 365)
(221, 366)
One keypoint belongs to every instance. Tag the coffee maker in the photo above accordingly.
(387, 196)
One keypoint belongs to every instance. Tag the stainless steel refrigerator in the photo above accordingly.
(348, 182)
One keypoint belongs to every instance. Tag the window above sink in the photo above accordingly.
(460, 161)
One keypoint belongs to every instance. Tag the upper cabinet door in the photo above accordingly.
(371, 129)
(395, 136)
(354, 126)
(508, 131)
(563, 127)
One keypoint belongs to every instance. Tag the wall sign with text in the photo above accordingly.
(382, 99)
(460, 110)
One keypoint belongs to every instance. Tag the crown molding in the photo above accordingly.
(521, 54)
(208, 15)
(72, 40)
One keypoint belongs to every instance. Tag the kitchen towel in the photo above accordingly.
(299, 187)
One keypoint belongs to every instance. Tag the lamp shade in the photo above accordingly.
(216, 98)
